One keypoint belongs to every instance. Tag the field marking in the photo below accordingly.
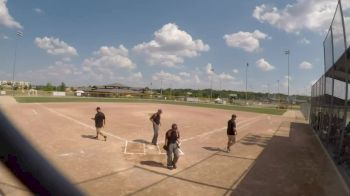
(126, 146)
(79, 122)
(35, 112)
(248, 121)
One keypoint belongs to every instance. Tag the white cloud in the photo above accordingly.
(136, 76)
(196, 79)
(55, 46)
(304, 41)
(209, 69)
(264, 65)
(225, 76)
(107, 60)
(285, 81)
(305, 65)
(236, 71)
(185, 74)
(314, 15)
(166, 76)
(247, 41)
(5, 37)
(39, 11)
(170, 47)
(6, 19)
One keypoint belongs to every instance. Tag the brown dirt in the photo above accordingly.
(273, 155)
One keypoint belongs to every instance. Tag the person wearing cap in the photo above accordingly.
(100, 121)
(155, 119)
(231, 132)
(172, 137)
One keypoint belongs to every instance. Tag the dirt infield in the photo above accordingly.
(128, 165)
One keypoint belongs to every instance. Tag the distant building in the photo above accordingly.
(14, 83)
(111, 90)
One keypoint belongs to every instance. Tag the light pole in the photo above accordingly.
(161, 87)
(19, 34)
(211, 84)
(278, 91)
(246, 84)
(287, 52)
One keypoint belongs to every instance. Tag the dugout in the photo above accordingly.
(329, 113)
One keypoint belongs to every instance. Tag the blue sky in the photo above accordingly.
(85, 42)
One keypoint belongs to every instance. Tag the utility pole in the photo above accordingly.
(211, 85)
(161, 87)
(19, 35)
(287, 52)
(246, 84)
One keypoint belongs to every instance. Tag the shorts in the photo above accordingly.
(98, 129)
(231, 138)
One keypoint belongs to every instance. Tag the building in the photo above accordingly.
(111, 90)
(329, 113)
(14, 83)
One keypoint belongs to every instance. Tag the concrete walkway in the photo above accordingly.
(293, 163)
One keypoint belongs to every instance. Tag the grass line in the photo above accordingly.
(263, 110)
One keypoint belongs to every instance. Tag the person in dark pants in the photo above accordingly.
(155, 118)
(231, 132)
(171, 142)
(100, 121)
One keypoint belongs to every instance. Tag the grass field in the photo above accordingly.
(263, 110)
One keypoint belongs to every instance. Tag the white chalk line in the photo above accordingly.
(35, 112)
(248, 121)
(80, 123)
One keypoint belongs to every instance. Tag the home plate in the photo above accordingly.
(134, 148)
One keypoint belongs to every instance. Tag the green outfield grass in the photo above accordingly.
(263, 110)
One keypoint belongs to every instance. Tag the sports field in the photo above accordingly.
(126, 164)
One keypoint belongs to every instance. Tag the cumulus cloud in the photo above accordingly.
(314, 15)
(55, 46)
(285, 81)
(39, 11)
(136, 76)
(6, 19)
(305, 65)
(264, 65)
(236, 71)
(304, 41)
(107, 60)
(166, 76)
(209, 69)
(196, 79)
(185, 74)
(247, 41)
(4, 37)
(225, 76)
(170, 47)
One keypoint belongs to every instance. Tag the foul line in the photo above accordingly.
(79, 122)
(249, 121)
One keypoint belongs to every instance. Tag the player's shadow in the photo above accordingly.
(142, 141)
(215, 149)
(152, 164)
(89, 136)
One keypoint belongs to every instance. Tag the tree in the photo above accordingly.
(48, 87)
(62, 87)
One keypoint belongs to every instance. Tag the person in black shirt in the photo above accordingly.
(231, 132)
(100, 121)
(155, 118)
(172, 137)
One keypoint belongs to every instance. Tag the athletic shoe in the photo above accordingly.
(105, 138)
(174, 166)
(228, 150)
(170, 167)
